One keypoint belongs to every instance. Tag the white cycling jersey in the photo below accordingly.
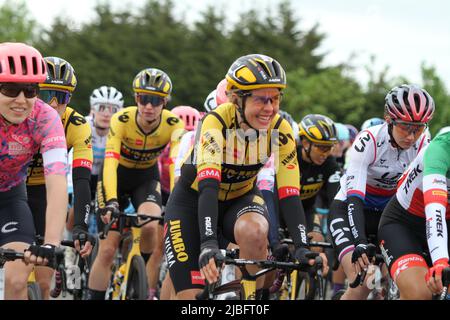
(186, 143)
(98, 147)
(376, 166)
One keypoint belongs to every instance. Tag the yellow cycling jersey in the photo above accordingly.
(78, 137)
(129, 146)
(225, 153)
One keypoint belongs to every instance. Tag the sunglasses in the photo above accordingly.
(408, 127)
(322, 148)
(106, 107)
(262, 101)
(154, 100)
(12, 90)
(62, 97)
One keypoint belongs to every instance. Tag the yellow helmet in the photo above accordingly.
(318, 129)
(152, 81)
(256, 71)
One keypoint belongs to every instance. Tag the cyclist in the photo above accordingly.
(378, 157)
(137, 136)
(57, 91)
(413, 229)
(340, 149)
(28, 125)
(216, 97)
(353, 132)
(216, 193)
(371, 122)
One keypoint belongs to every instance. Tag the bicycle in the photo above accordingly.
(245, 288)
(33, 289)
(129, 279)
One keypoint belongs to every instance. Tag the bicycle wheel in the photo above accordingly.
(137, 286)
(34, 291)
(306, 287)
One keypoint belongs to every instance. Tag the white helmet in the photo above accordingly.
(210, 102)
(106, 95)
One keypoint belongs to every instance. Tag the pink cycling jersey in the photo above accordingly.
(41, 130)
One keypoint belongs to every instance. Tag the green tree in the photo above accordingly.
(436, 88)
(330, 92)
(17, 26)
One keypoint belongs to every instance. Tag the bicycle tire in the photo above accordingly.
(137, 287)
(34, 291)
(306, 287)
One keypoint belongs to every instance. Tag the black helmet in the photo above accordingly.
(60, 74)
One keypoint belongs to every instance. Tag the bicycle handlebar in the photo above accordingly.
(375, 258)
(134, 217)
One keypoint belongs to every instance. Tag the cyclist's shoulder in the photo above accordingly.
(124, 117)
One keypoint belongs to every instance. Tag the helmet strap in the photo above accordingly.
(241, 110)
(391, 135)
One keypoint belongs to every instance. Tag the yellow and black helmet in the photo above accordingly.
(318, 129)
(256, 71)
(60, 75)
(152, 81)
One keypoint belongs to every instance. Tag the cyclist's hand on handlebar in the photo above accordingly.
(434, 276)
(305, 256)
(40, 255)
(111, 210)
(84, 242)
(209, 253)
(360, 257)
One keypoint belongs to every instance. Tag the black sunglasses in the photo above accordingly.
(12, 90)
(145, 99)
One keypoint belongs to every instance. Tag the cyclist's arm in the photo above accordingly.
(436, 167)
(81, 175)
(209, 162)
(54, 155)
(362, 154)
(112, 156)
(288, 183)
(175, 139)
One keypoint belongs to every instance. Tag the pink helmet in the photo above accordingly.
(409, 103)
(189, 115)
(221, 95)
(21, 63)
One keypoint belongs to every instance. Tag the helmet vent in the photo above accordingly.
(63, 70)
(23, 61)
(12, 66)
(35, 65)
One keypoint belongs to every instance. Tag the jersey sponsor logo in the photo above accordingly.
(139, 142)
(439, 181)
(208, 226)
(15, 149)
(177, 241)
(172, 121)
(82, 163)
(302, 230)
(285, 192)
(411, 177)
(124, 118)
(77, 120)
(428, 227)
(351, 222)
(338, 233)
(209, 173)
(258, 200)
(389, 179)
(111, 154)
(439, 226)
(10, 227)
(380, 143)
(289, 158)
(360, 146)
(21, 139)
(335, 177)
(405, 262)
(53, 139)
(196, 278)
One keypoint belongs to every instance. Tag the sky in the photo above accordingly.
(401, 34)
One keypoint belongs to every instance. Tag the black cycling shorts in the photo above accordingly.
(137, 185)
(16, 220)
(339, 227)
(181, 231)
(403, 239)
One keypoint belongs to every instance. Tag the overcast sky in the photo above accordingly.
(400, 33)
